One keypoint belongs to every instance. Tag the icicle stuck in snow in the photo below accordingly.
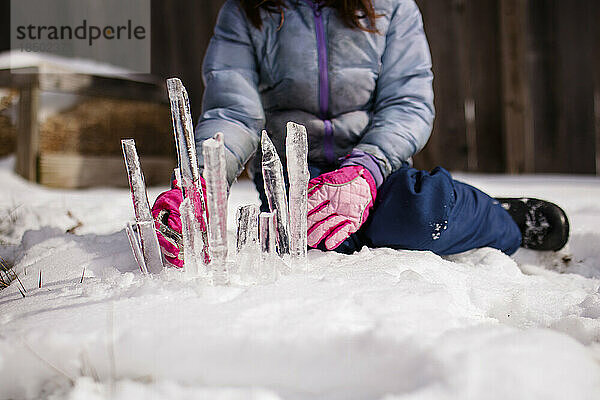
(192, 240)
(268, 260)
(296, 147)
(275, 190)
(136, 247)
(247, 245)
(191, 236)
(247, 227)
(188, 165)
(267, 232)
(216, 195)
(143, 216)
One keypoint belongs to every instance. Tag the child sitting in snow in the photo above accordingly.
(357, 74)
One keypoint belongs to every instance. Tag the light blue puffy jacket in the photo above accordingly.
(351, 89)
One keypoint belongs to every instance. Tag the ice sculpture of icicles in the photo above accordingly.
(148, 241)
(275, 190)
(296, 147)
(247, 245)
(193, 205)
(216, 195)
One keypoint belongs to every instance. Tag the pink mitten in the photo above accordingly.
(168, 225)
(338, 204)
(167, 220)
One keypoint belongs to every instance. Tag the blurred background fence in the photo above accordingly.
(517, 82)
(517, 85)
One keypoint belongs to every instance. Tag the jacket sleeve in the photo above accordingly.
(403, 108)
(231, 102)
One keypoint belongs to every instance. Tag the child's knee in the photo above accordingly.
(415, 229)
(414, 211)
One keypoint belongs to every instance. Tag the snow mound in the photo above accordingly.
(379, 324)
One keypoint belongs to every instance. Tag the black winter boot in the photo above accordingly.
(543, 225)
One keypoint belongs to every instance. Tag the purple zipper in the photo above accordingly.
(328, 143)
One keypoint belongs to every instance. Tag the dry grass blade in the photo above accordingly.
(6, 279)
(78, 223)
(18, 279)
(7, 223)
(4, 265)
(87, 369)
(48, 363)
(21, 283)
(8, 271)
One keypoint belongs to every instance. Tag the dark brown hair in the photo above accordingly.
(351, 11)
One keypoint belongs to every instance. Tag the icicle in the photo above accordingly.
(296, 147)
(136, 247)
(188, 165)
(268, 261)
(148, 239)
(184, 132)
(275, 191)
(267, 232)
(192, 240)
(216, 191)
(247, 227)
(247, 245)
(191, 235)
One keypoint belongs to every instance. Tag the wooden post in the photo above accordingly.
(471, 132)
(516, 96)
(597, 95)
(593, 18)
(465, 73)
(448, 143)
(28, 132)
(597, 126)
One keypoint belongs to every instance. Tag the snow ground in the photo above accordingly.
(381, 324)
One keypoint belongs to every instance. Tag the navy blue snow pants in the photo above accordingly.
(420, 210)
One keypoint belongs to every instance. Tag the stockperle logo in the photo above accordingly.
(85, 31)
(113, 32)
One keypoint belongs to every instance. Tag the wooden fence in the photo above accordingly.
(517, 85)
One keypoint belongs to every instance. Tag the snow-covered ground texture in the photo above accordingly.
(381, 324)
